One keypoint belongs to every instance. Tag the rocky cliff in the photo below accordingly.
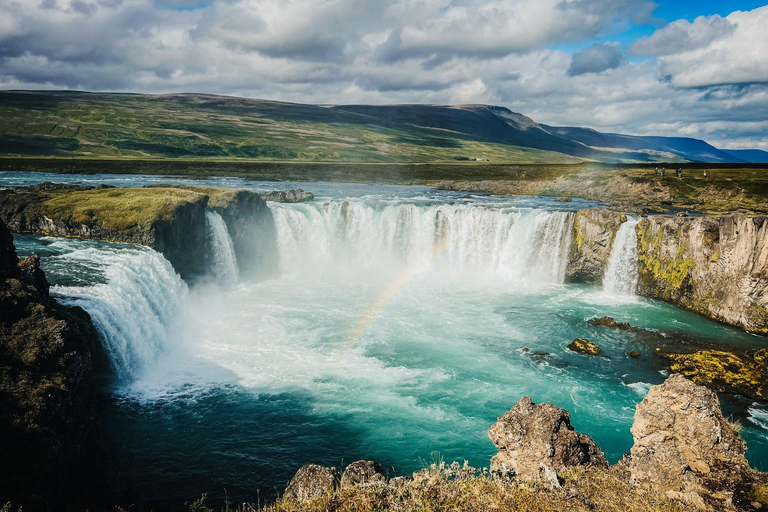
(169, 219)
(715, 266)
(47, 416)
(594, 232)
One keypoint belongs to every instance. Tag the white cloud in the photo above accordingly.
(712, 51)
(405, 51)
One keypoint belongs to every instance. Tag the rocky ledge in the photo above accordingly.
(686, 456)
(47, 415)
(169, 219)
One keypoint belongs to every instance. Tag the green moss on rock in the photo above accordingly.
(743, 373)
(583, 346)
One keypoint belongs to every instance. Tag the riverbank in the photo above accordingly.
(629, 187)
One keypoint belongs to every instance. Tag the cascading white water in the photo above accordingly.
(621, 274)
(134, 309)
(522, 244)
(224, 264)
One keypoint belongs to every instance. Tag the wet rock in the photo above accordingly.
(635, 355)
(287, 196)
(594, 232)
(684, 448)
(583, 346)
(33, 275)
(534, 439)
(610, 322)
(311, 482)
(362, 472)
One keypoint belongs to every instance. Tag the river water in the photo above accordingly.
(396, 325)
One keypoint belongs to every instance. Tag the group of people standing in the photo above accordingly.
(678, 172)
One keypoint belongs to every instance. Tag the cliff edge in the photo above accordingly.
(47, 415)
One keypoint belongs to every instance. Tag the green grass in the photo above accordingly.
(194, 127)
(128, 208)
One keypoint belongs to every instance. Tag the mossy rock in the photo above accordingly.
(742, 373)
(584, 346)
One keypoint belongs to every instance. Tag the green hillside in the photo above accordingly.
(190, 126)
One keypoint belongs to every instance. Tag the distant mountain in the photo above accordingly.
(752, 156)
(70, 123)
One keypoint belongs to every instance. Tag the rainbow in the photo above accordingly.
(396, 285)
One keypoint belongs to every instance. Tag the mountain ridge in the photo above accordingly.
(132, 125)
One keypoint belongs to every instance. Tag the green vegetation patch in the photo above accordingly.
(744, 373)
(127, 208)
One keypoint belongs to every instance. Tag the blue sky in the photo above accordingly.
(685, 68)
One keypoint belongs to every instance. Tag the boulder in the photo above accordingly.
(362, 472)
(634, 354)
(583, 346)
(536, 440)
(685, 449)
(311, 482)
(287, 196)
(610, 322)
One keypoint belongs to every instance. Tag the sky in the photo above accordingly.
(675, 68)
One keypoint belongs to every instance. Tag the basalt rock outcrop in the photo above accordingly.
(47, 414)
(169, 219)
(295, 195)
(684, 448)
(594, 232)
(536, 440)
(714, 266)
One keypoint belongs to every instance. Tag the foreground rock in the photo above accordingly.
(362, 472)
(287, 196)
(169, 219)
(312, 482)
(47, 414)
(685, 449)
(582, 346)
(594, 232)
(715, 266)
(535, 441)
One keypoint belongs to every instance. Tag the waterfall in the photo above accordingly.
(134, 309)
(621, 275)
(528, 245)
(224, 262)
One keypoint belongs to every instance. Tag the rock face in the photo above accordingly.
(686, 449)
(47, 415)
(362, 472)
(312, 482)
(287, 196)
(178, 229)
(534, 440)
(583, 346)
(594, 232)
(715, 266)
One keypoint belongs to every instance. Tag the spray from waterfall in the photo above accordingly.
(525, 246)
(223, 259)
(621, 274)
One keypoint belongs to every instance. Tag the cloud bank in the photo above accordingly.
(705, 78)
